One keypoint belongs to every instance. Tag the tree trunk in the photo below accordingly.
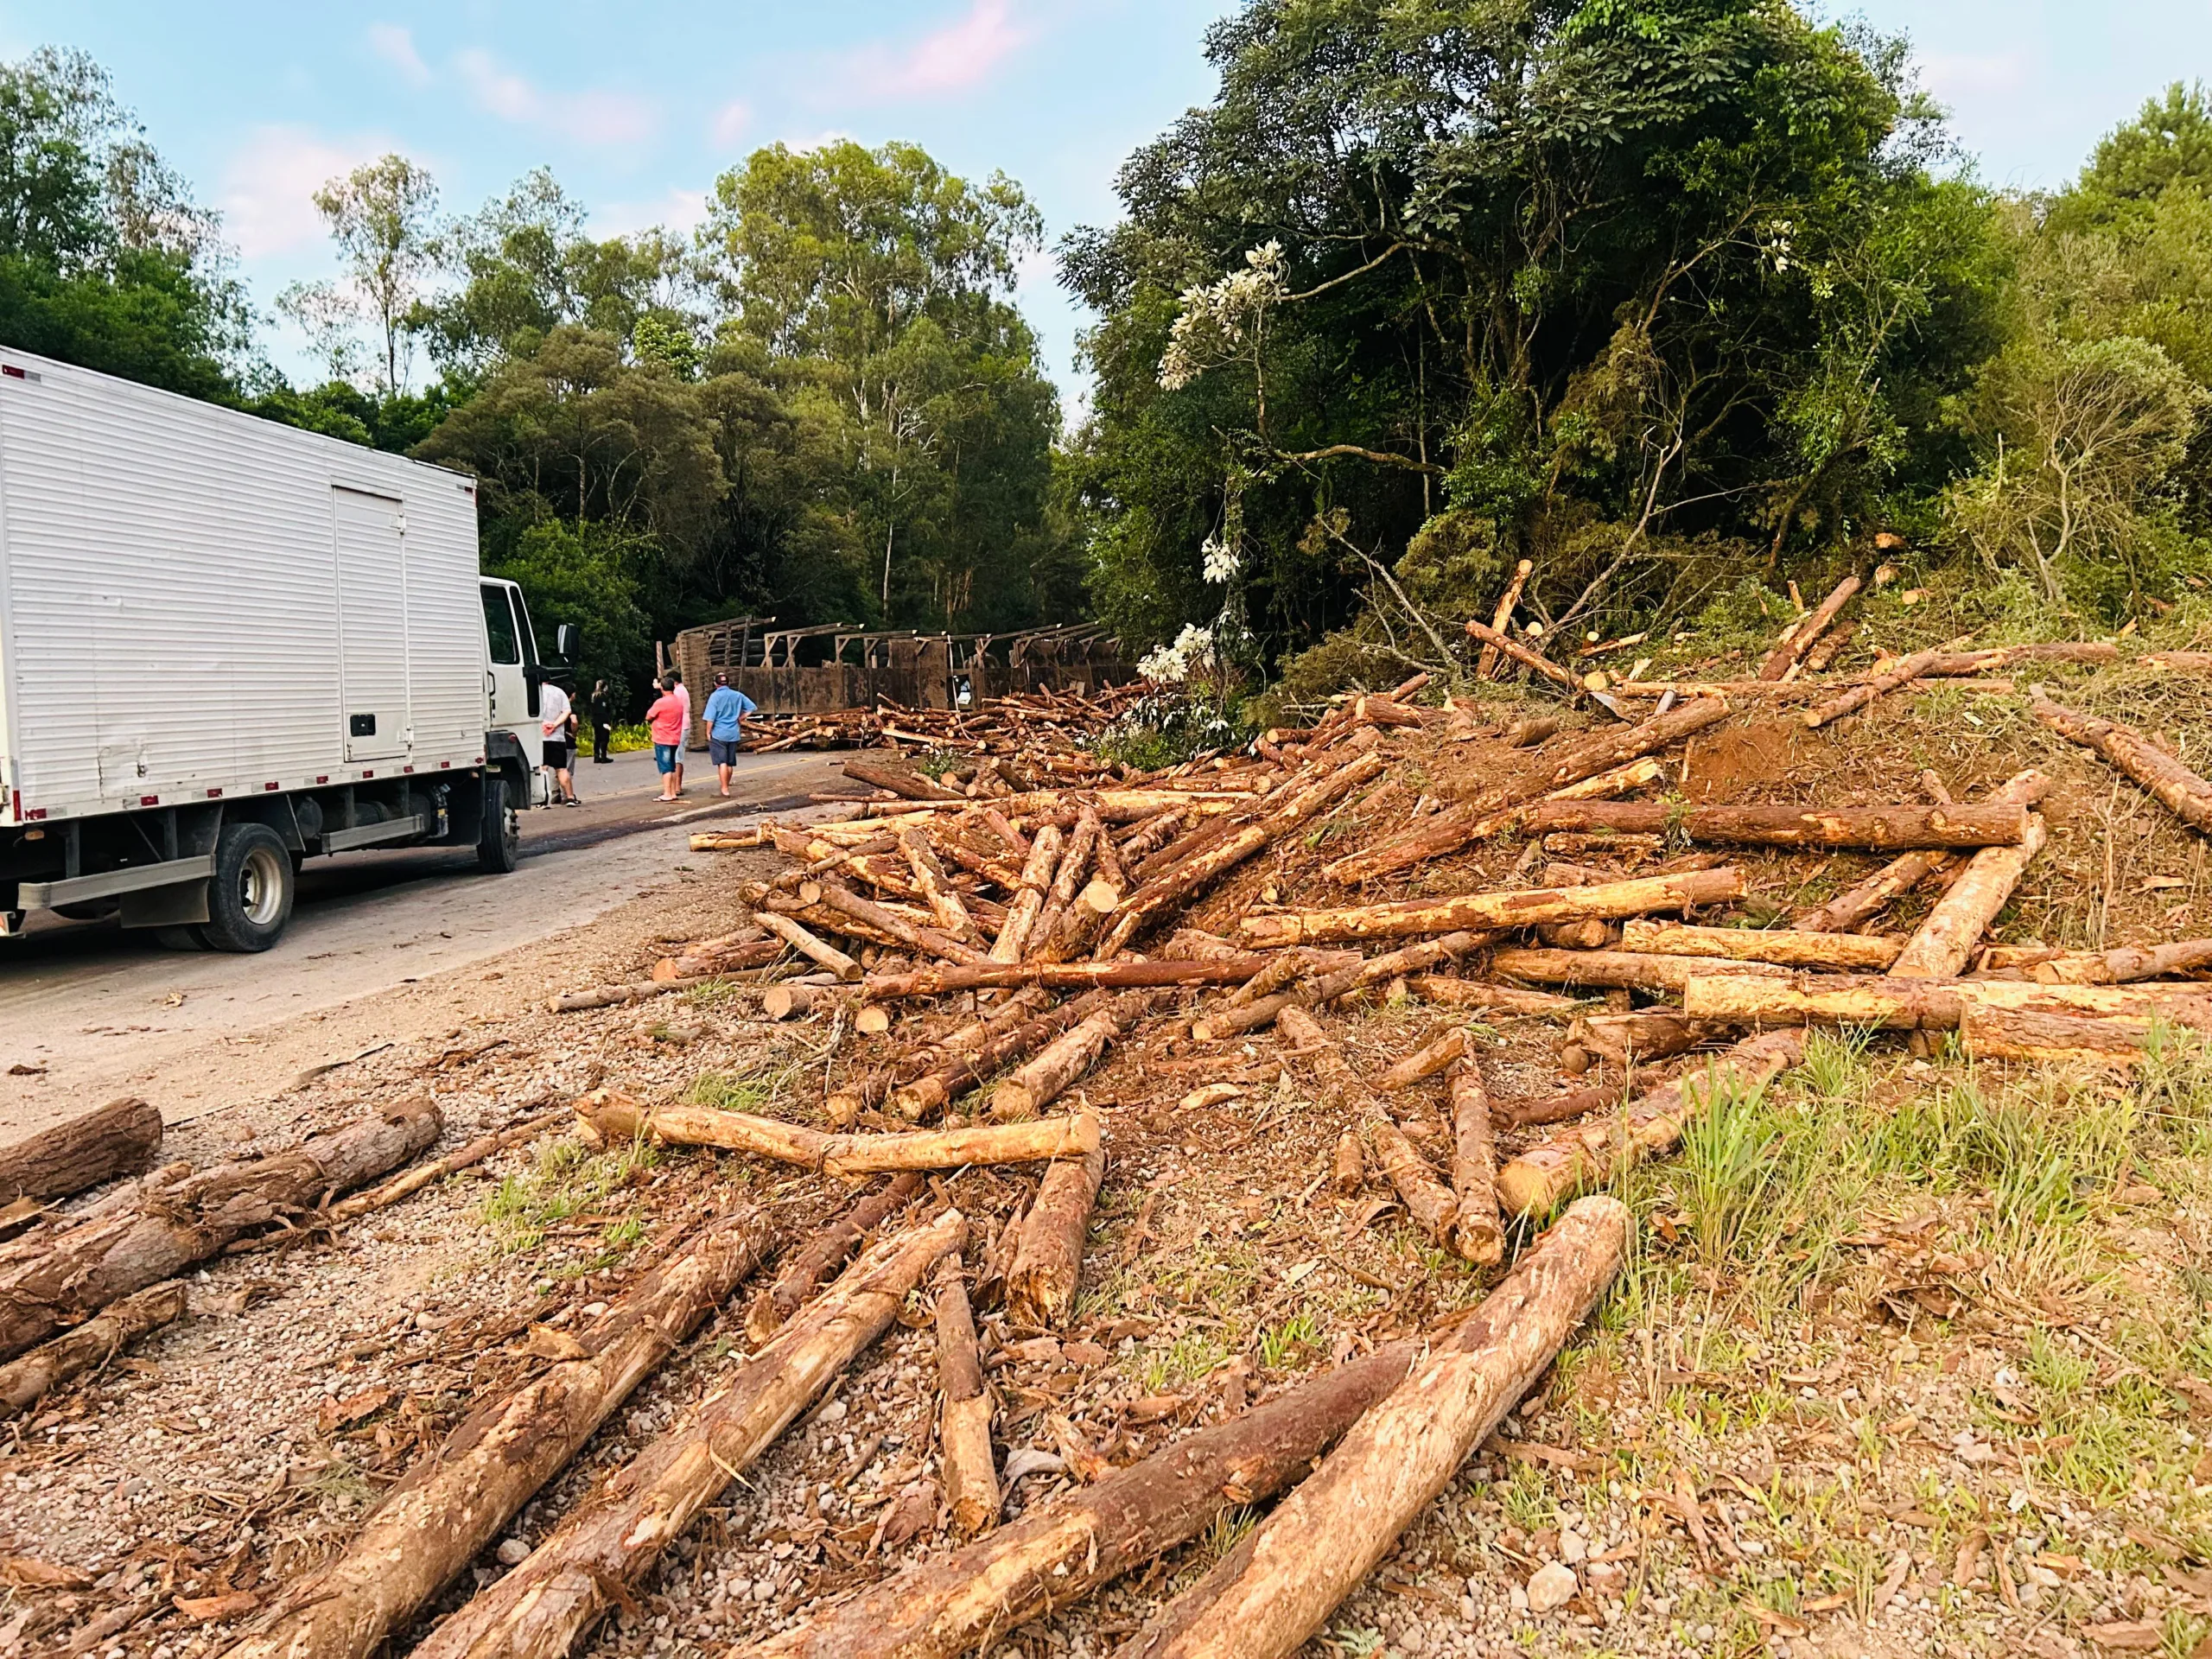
(1874, 895)
(1013, 942)
(1045, 1079)
(26, 1380)
(945, 1082)
(1041, 1285)
(414, 1181)
(1536, 661)
(2178, 662)
(1798, 639)
(456, 1500)
(1877, 827)
(1426, 1062)
(780, 1002)
(898, 779)
(1992, 1033)
(1486, 663)
(1544, 1177)
(1278, 1585)
(617, 1117)
(1945, 941)
(612, 1540)
(807, 945)
(823, 1254)
(1339, 982)
(1348, 1172)
(696, 965)
(1542, 1109)
(120, 1138)
(1065, 976)
(1647, 1034)
(926, 940)
(935, 887)
(1788, 947)
(963, 1602)
(1898, 673)
(1495, 999)
(2184, 794)
(858, 1094)
(1590, 758)
(1888, 1002)
(972, 1481)
(1184, 882)
(2121, 966)
(1527, 908)
(1074, 864)
(1474, 1171)
(608, 996)
(167, 1226)
(1616, 969)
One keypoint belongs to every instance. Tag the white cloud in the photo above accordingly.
(269, 187)
(730, 123)
(677, 210)
(960, 55)
(1964, 74)
(394, 44)
(592, 117)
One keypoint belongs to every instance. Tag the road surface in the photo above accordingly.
(87, 1010)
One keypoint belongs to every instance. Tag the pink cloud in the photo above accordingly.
(961, 54)
(396, 46)
(595, 118)
(269, 187)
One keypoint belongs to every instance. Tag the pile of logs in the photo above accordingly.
(1018, 723)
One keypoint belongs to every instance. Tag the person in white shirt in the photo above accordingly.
(555, 717)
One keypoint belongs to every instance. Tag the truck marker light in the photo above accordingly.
(215, 794)
(324, 778)
(268, 786)
(406, 769)
(150, 800)
(12, 372)
(442, 764)
(368, 774)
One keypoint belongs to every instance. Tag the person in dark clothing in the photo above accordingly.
(602, 724)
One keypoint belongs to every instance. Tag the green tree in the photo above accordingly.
(384, 216)
(590, 575)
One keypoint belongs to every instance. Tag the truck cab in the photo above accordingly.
(512, 676)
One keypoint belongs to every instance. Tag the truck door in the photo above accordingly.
(372, 624)
(506, 691)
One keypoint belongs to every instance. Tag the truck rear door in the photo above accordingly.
(372, 623)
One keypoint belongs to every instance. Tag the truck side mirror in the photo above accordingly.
(566, 642)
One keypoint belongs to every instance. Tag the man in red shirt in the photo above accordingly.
(667, 718)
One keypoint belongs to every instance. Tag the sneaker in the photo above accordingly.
(572, 801)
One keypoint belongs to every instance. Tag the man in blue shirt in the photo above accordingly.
(727, 707)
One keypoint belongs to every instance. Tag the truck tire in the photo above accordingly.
(250, 895)
(498, 843)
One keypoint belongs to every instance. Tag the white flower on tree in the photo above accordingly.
(1221, 321)
(1192, 650)
(1219, 561)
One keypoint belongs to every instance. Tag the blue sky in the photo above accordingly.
(637, 106)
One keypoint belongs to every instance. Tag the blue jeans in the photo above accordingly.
(664, 758)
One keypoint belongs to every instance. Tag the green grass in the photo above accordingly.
(564, 1182)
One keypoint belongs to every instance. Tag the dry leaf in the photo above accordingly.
(546, 1342)
(2138, 1636)
(344, 1414)
(28, 1573)
(1213, 1093)
(206, 1610)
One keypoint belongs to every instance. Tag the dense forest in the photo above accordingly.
(1677, 300)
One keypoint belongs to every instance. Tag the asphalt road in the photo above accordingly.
(87, 1006)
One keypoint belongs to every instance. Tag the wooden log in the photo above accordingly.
(696, 966)
(617, 1117)
(1279, 1585)
(1047, 1268)
(1858, 697)
(1186, 881)
(1341, 982)
(161, 1228)
(1542, 1109)
(1646, 1034)
(1537, 1181)
(1627, 970)
(1486, 663)
(27, 1379)
(608, 996)
(1946, 940)
(780, 1002)
(961, 1602)
(1587, 758)
(120, 1138)
(1890, 1002)
(2180, 790)
(926, 941)
(1348, 1170)
(2178, 662)
(956, 1073)
(1870, 897)
(1426, 1062)
(1799, 637)
(963, 1417)
(936, 887)
(611, 1541)
(1525, 908)
(1067, 878)
(1496, 640)
(1792, 948)
(910, 785)
(413, 1178)
(809, 946)
(1579, 935)
(1876, 828)
(1494, 999)
(2119, 1041)
(1064, 976)
(828, 1250)
(2122, 966)
(1066, 1057)
(1013, 941)
(456, 1500)
(1475, 1226)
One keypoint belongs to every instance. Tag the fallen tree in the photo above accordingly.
(1945, 941)
(120, 1138)
(1616, 969)
(612, 1117)
(1786, 947)
(1888, 1002)
(27, 1379)
(2182, 792)
(1047, 1269)
(963, 1416)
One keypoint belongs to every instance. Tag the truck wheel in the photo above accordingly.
(250, 896)
(189, 937)
(498, 843)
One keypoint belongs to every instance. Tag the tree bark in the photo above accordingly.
(1616, 969)
(1064, 976)
(1542, 1110)
(1425, 1062)
(1888, 1002)
(1278, 1585)
(1066, 1057)
(928, 941)
(809, 946)
(960, 1603)
(899, 781)
(2122, 966)
(1647, 1034)
(1903, 669)
(1798, 639)
(1497, 999)
(165, 1227)
(1876, 828)
(1527, 908)
(1339, 982)
(617, 1117)
(945, 1082)
(823, 1254)
(1451, 830)
(1041, 1285)
(1945, 941)
(1013, 941)
(972, 1481)
(120, 1138)
(1789, 947)
(935, 888)
(455, 1502)
(1475, 1226)
(1992, 1033)
(612, 1540)
(1186, 881)
(1542, 1178)
(2180, 790)
(1348, 1171)
(1536, 661)
(26, 1380)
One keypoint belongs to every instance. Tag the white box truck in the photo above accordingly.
(227, 645)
